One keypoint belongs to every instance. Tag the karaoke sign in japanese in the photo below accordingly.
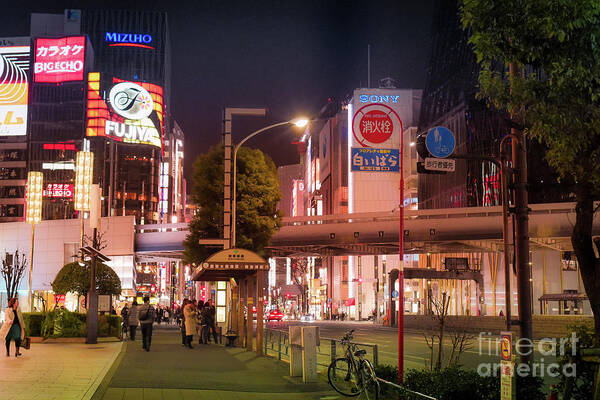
(59, 60)
(59, 190)
(373, 160)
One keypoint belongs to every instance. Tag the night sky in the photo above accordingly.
(287, 56)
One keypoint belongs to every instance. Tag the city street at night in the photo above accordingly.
(370, 199)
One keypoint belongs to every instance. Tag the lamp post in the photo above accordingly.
(298, 122)
(83, 182)
(33, 216)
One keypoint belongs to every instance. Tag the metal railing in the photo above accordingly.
(277, 344)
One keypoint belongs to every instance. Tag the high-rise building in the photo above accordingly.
(117, 106)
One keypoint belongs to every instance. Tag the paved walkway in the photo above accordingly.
(55, 371)
(170, 371)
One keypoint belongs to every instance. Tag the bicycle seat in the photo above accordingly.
(359, 353)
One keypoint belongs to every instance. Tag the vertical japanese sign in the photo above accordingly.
(59, 60)
(14, 69)
(506, 366)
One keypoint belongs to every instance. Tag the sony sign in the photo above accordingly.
(133, 133)
(365, 98)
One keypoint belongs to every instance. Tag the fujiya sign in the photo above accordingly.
(59, 60)
(128, 39)
(131, 101)
(133, 133)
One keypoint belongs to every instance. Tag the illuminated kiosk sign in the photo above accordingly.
(59, 60)
(128, 39)
(132, 113)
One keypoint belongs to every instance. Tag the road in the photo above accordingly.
(416, 351)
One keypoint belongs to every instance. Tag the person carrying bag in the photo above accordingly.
(13, 328)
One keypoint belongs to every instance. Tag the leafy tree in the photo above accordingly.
(257, 196)
(76, 278)
(554, 44)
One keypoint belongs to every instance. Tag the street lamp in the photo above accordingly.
(83, 182)
(33, 216)
(299, 122)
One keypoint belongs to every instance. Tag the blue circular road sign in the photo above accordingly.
(440, 142)
(395, 293)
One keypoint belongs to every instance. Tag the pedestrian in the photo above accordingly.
(113, 311)
(146, 315)
(13, 327)
(209, 315)
(199, 322)
(166, 316)
(133, 320)
(181, 322)
(125, 321)
(189, 315)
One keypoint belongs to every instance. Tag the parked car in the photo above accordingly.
(307, 318)
(275, 315)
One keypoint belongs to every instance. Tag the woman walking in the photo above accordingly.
(133, 320)
(189, 314)
(13, 327)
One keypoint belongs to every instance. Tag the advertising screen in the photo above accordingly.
(59, 60)
(129, 112)
(14, 68)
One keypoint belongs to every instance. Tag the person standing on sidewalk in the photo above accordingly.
(189, 315)
(133, 320)
(124, 321)
(146, 315)
(208, 317)
(13, 327)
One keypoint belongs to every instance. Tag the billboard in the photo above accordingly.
(59, 60)
(14, 69)
(129, 112)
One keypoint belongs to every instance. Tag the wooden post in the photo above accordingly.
(235, 307)
(242, 303)
(249, 314)
(259, 312)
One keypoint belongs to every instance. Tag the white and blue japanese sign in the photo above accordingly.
(440, 142)
(373, 160)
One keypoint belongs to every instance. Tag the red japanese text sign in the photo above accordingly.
(59, 60)
(59, 190)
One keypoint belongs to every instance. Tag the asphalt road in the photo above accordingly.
(416, 351)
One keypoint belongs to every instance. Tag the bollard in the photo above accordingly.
(296, 351)
(332, 350)
(375, 356)
(310, 341)
(279, 346)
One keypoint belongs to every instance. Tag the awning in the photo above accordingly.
(230, 263)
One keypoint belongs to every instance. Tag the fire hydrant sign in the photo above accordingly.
(506, 366)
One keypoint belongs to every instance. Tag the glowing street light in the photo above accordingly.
(84, 170)
(33, 216)
(299, 122)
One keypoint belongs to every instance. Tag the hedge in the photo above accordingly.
(63, 323)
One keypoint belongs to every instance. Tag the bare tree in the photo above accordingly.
(13, 269)
(100, 236)
(461, 342)
(440, 313)
(299, 271)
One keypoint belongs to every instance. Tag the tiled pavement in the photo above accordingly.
(172, 372)
(56, 371)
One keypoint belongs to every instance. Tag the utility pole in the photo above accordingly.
(92, 309)
(519, 158)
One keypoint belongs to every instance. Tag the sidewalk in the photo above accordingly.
(56, 371)
(170, 371)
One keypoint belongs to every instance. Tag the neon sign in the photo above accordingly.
(128, 39)
(59, 60)
(365, 98)
(14, 69)
(59, 190)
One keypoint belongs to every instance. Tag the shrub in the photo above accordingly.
(63, 323)
(580, 387)
(33, 323)
(455, 383)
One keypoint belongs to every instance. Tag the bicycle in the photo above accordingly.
(352, 374)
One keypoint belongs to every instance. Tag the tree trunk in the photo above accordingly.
(581, 239)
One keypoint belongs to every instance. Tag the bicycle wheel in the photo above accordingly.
(369, 379)
(343, 378)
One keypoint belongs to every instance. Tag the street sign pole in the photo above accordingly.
(401, 268)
